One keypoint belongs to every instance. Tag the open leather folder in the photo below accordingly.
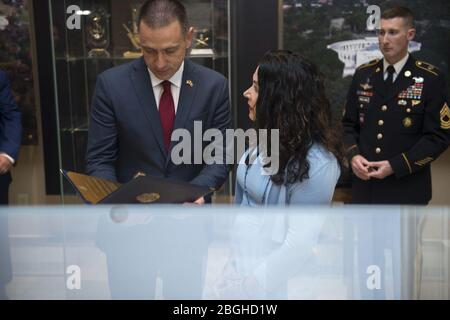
(141, 189)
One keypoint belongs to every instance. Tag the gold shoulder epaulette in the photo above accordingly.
(427, 67)
(368, 64)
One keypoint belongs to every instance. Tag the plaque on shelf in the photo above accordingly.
(202, 52)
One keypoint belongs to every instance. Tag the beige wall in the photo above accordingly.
(28, 185)
(441, 180)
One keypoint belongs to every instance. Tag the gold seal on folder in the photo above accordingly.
(148, 197)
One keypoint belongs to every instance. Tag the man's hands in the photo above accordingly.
(365, 169)
(5, 164)
(199, 201)
(380, 169)
(360, 167)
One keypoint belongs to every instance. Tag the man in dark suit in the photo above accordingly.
(10, 137)
(135, 109)
(396, 120)
(137, 106)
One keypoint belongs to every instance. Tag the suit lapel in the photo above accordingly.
(143, 87)
(188, 90)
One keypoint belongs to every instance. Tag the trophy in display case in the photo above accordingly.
(133, 36)
(97, 33)
(201, 44)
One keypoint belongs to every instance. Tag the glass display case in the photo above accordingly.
(107, 37)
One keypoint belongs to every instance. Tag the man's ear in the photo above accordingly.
(189, 36)
(411, 33)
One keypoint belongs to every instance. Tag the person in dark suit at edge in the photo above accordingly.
(10, 137)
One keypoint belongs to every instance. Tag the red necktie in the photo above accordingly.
(167, 112)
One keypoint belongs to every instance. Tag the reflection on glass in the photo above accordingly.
(179, 252)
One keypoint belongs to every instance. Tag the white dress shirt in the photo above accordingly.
(175, 80)
(397, 66)
(8, 157)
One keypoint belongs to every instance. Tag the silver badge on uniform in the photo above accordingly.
(363, 99)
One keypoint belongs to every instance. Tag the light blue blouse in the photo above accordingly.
(274, 247)
(255, 189)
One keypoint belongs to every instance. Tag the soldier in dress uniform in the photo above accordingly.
(396, 119)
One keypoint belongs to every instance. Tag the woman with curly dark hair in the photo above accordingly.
(288, 94)
(270, 247)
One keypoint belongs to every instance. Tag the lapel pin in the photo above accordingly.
(378, 70)
(407, 73)
(189, 83)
